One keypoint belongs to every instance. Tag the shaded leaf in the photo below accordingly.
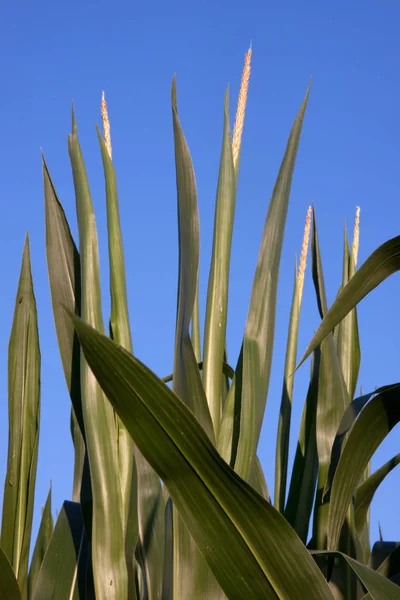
(246, 542)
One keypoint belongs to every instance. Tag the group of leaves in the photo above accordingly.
(209, 530)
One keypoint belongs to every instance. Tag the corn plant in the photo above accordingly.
(169, 500)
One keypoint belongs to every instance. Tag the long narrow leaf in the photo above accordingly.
(245, 405)
(108, 556)
(348, 343)
(63, 263)
(41, 545)
(305, 468)
(331, 403)
(218, 281)
(282, 442)
(247, 543)
(191, 576)
(24, 417)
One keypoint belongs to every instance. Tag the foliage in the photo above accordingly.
(169, 500)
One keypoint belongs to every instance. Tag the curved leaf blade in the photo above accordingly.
(378, 586)
(247, 543)
(382, 263)
(366, 491)
(376, 420)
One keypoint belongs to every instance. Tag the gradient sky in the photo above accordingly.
(349, 155)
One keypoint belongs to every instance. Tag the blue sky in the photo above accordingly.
(349, 155)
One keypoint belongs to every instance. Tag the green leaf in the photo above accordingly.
(244, 410)
(331, 402)
(63, 571)
(196, 339)
(24, 418)
(120, 332)
(348, 342)
(366, 491)
(63, 263)
(247, 543)
(377, 585)
(349, 416)
(390, 566)
(187, 381)
(283, 437)
(41, 545)
(305, 468)
(379, 266)
(218, 281)
(191, 577)
(108, 530)
(376, 420)
(257, 480)
(9, 589)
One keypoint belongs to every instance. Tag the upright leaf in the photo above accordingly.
(41, 545)
(108, 531)
(218, 281)
(23, 435)
(63, 570)
(283, 437)
(305, 468)
(191, 576)
(63, 263)
(331, 402)
(348, 342)
(245, 405)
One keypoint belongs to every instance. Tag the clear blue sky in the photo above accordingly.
(349, 155)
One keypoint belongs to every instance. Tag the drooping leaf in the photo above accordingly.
(379, 587)
(349, 416)
(376, 420)
(245, 405)
(247, 543)
(379, 266)
(366, 491)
